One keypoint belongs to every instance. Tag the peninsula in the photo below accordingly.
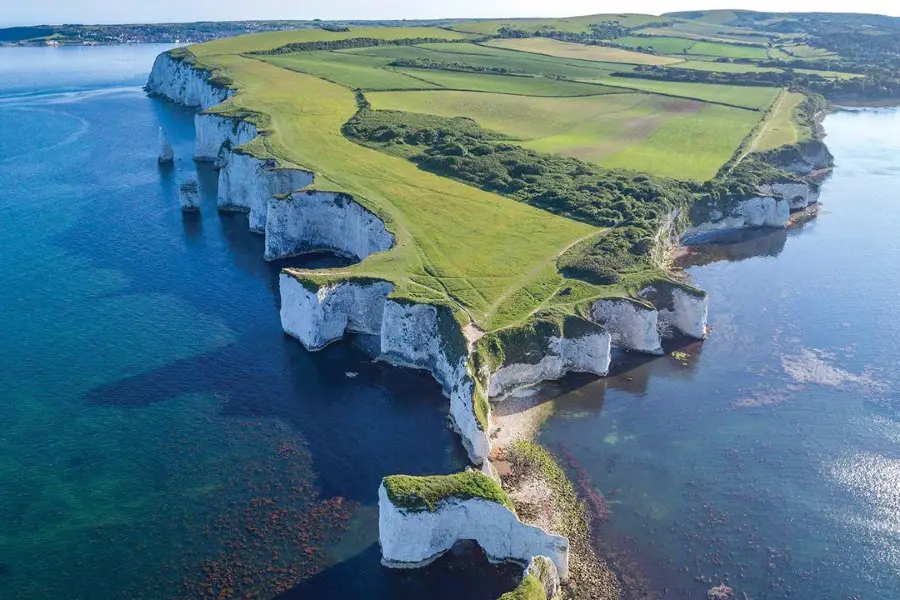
(508, 193)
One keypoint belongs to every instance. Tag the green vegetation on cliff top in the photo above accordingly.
(529, 589)
(419, 494)
(484, 235)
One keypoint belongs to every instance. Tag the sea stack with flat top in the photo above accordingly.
(189, 195)
(166, 155)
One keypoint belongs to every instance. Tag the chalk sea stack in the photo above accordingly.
(166, 155)
(189, 195)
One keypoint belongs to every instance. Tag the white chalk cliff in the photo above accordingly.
(311, 220)
(409, 335)
(181, 82)
(759, 211)
(798, 195)
(189, 195)
(680, 311)
(411, 538)
(589, 353)
(632, 325)
(215, 136)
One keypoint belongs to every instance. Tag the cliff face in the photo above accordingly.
(180, 82)
(311, 220)
(410, 335)
(216, 136)
(586, 353)
(631, 325)
(760, 211)
(415, 538)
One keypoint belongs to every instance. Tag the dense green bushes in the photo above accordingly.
(443, 65)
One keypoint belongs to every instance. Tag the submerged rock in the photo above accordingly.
(720, 592)
(166, 154)
(189, 195)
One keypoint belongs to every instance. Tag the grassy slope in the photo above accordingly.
(782, 128)
(456, 245)
(556, 48)
(353, 71)
(636, 131)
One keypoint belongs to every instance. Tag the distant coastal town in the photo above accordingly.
(159, 33)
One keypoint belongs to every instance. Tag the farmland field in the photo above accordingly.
(353, 71)
(507, 84)
(728, 50)
(595, 129)
(757, 98)
(693, 146)
(581, 51)
(782, 128)
(703, 65)
(663, 45)
(483, 56)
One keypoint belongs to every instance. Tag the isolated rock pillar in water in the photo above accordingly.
(166, 155)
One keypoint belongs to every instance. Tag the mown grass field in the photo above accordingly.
(756, 98)
(663, 45)
(781, 128)
(703, 65)
(719, 49)
(508, 84)
(693, 146)
(483, 56)
(621, 130)
(366, 72)
(582, 52)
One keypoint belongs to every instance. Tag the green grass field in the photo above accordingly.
(756, 98)
(693, 146)
(490, 258)
(484, 56)
(719, 49)
(366, 72)
(508, 84)
(620, 130)
(580, 51)
(782, 129)
(663, 45)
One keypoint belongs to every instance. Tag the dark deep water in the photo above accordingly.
(159, 432)
(769, 456)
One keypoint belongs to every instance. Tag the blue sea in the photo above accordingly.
(160, 437)
(768, 456)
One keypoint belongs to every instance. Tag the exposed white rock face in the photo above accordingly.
(413, 539)
(311, 220)
(216, 136)
(806, 157)
(321, 317)
(679, 311)
(247, 183)
(760, 211)
(631, 325)
(409, 336)
(166, 154)
(544, 570)
(189, 195)
(798, 195)
(586, 354)
(182, 83)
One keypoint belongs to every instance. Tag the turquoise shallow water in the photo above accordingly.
(770, 456)
(159, 436)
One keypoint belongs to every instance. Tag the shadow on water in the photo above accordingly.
(464, 572)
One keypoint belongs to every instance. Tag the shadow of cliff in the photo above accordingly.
(464, 572)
